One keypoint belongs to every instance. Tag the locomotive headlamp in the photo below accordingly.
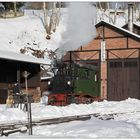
(69, 82)
(49, 82)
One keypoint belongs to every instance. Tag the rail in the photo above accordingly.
(9, 128)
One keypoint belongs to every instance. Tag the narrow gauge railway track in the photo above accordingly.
(47, 121)
(8, 128)
(16, 126)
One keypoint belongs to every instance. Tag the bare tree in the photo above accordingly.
(102, 11)
(102, 5)
(45, 17)
(52, 23)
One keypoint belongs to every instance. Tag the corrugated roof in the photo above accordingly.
(9, 55)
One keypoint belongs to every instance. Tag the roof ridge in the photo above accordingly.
(138, 36)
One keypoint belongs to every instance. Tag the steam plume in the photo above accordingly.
(80, 27)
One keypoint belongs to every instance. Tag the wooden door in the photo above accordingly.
(123, 79)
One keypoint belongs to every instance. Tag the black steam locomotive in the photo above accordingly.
(74, 83)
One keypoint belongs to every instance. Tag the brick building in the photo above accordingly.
(116, 53)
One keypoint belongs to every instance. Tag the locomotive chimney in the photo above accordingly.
(130, 17)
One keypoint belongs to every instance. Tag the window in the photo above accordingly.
(115, 64)
(130, 64)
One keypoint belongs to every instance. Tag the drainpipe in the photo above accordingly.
(130, 17)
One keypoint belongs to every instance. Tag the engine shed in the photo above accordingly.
(116, 52)
(11, 71)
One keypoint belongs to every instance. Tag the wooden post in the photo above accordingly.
(18, 81)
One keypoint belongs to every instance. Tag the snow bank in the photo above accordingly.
(41, 111)
(93, 128)
(11, 115)
(105, 107)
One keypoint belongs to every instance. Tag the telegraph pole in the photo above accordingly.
(26, 74)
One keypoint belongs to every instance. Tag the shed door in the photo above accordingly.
(123, 79)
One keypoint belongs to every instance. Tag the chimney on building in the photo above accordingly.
(130, 17)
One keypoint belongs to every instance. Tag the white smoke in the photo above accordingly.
(80, 27)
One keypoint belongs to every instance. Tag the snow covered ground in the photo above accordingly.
(125, 125)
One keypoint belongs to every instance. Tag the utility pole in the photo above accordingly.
(26, 74)
(52, 18)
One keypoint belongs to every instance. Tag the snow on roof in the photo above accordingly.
(120, 28)
(28, 31)
(137, 24)
(134, 23)
(22, 57)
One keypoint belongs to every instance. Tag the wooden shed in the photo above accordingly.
(12, 66)
(117, 53)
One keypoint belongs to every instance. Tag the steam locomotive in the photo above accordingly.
(73, 83)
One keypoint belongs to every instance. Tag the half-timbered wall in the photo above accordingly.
(119, 74)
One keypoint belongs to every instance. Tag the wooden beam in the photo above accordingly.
(106, 49)
(103, 33)
(131, 53)
(127, 45)
(111, 37)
